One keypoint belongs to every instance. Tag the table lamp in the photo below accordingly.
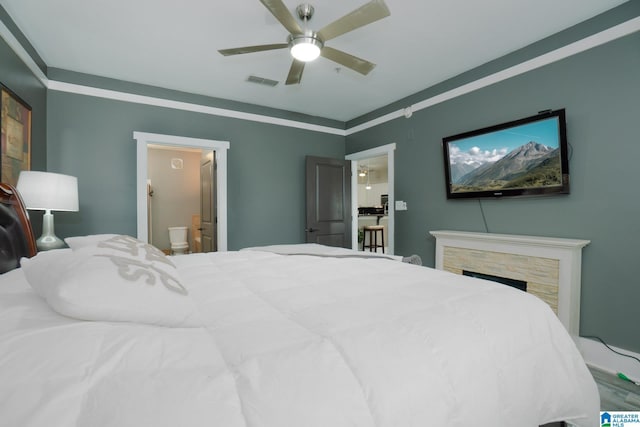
(48, 192)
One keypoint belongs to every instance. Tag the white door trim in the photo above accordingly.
(382, 150)
(220, 147)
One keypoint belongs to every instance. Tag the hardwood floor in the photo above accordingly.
(616, 394)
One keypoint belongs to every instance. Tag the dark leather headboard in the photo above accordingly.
(16, 234)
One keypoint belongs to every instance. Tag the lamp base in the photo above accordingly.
(48, 240)
(45, 243)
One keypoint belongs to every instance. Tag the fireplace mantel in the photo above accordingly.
(567, 253)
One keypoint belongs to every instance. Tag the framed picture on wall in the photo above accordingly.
(15, 125)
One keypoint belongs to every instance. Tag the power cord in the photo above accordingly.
(484, 219)
(619, 374)
(607, 345)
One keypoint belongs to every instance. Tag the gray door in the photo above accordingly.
(208, 210)
(328, 188)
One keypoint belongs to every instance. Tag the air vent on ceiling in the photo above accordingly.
(262, 81)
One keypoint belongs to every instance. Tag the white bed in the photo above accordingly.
(260, 339)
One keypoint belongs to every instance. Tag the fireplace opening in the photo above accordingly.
(514, 283)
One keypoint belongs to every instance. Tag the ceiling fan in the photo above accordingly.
(306, 45)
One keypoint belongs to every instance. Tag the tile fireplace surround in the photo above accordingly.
(551, 267)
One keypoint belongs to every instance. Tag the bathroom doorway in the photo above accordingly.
(175, 189)
(218, 149)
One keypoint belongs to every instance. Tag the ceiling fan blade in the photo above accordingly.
(364, 15)
(349, 61)
(251, 49)
(282, 14)
(295, 73)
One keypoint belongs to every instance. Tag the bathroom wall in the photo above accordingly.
(176, 192)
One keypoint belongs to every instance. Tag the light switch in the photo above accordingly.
(401, 206)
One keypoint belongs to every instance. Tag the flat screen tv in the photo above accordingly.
(525, 157)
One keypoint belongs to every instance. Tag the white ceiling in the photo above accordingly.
(174, 45)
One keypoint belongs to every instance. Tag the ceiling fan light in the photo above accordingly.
(306, 48)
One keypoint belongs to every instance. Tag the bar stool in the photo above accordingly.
(373, 230)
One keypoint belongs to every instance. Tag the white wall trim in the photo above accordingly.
(610, 34)
(143, 140)
(629, 27)
(597, 355)
(21, 52)
(186, 106)
(382, 150)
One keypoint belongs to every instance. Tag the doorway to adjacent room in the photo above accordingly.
(181, 199)
(372, 195)
(218, 184)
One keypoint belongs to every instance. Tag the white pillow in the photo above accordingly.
(40, 269)
(123, 245)
(78, 242)
(118, 279)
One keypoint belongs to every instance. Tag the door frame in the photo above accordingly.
(143, 140)
(382, 150)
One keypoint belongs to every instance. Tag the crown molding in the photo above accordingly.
(626, 28)
(186, 106)
(623, 29)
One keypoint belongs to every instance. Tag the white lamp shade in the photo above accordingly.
(48, 191)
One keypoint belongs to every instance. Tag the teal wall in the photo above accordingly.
(92, 138)
(600, 89)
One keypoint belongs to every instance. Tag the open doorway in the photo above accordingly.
(219, 209)
(174, 207)
(373, 206)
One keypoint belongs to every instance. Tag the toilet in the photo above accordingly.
(178, 239)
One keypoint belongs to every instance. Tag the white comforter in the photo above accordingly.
(299, 341)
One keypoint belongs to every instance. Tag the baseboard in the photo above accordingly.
(597, 355)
